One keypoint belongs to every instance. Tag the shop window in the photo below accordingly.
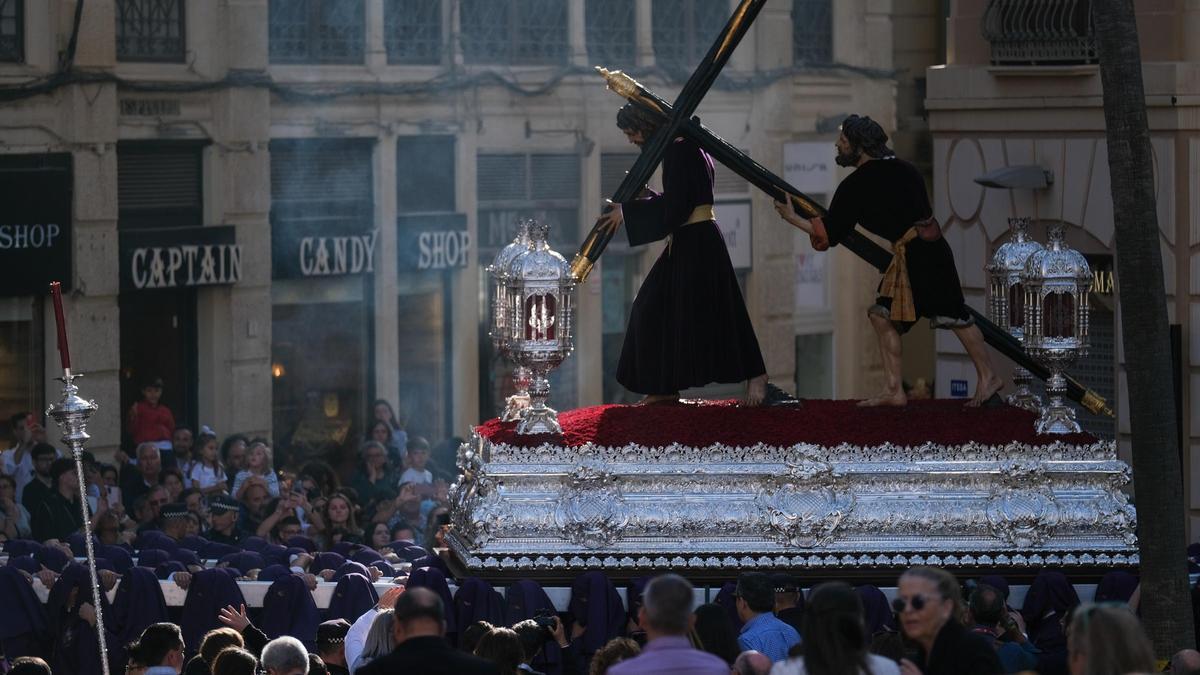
(814, 366)
(322, 202)
(413, 31)
(611, 33)
(683, 31)
(812, 32)
(21, 358)
(12, 30)
(150, 30)
(514, 32)
(317, 31)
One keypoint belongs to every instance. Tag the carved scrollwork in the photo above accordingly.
(590, 511)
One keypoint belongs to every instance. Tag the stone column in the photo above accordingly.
(387, 337)
(645, 33)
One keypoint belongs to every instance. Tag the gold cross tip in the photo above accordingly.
(619, 82)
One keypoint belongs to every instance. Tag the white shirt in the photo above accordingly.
(22, 472)
(206, 476)
(876, 665)
(356, 637)
(414, 476)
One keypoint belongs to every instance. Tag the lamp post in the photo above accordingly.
(1006, 301)
(537, 328)
(1057, 280)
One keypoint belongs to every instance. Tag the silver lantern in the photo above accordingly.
(1006, 302)
(537, 329)
(513, 405)
(1057, 281)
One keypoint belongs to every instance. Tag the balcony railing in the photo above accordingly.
(1040, 32)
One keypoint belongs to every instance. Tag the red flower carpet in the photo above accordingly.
(821, 422)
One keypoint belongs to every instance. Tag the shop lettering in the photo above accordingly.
(440, 250)
(28, 236)
(329, 256)
(188, 265)
(1102, 283)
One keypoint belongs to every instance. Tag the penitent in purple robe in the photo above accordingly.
(688, 326)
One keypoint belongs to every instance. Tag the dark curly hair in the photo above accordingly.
(634, 118)
(865, 134)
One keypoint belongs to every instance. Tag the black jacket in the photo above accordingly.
(957, 651)
(428, 655)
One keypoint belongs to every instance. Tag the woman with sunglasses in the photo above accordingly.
(929, 604)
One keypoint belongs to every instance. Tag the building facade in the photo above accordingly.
(1021, 87)
(284, 209)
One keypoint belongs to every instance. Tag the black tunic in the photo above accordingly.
(886, 197)
(688, 325)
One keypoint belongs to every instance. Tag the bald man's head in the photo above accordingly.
(752, 663)
(1186, 661)
(419, 613)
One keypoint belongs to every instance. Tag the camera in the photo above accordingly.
(545, 619)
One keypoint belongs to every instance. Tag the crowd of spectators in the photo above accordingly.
(208, 514)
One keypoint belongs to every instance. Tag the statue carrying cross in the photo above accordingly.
(672, 125)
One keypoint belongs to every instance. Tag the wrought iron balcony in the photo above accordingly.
(1040, 32)
(150, 30)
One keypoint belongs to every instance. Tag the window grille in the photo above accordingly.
(413, 31)
(812, 31)
(611, 33)
(150, 30)
(316, 31)
(683, 31)
(12, 30)
(1048, 32)
(514, 32)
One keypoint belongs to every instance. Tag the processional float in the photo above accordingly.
(535, 504)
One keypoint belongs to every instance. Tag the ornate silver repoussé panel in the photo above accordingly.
(557, 508)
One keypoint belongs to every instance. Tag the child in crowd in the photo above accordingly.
(258, 470)
(207, 475)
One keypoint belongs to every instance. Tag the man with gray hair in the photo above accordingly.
(666, 615)
(285, 656)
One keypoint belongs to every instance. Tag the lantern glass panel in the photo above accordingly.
(1016, 305)
(1058, 310)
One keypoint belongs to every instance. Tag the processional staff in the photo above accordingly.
(71, 414)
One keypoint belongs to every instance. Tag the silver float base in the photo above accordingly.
(632, 508)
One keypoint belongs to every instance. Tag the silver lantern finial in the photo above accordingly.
(1057, 282)
(1007, 301)
(513, 405)
(537, 331)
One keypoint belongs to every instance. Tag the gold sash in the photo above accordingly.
(895, 280)
(700, 214)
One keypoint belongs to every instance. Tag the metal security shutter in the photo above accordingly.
(726, 182)
(501, 178)
(159, 185)
(555, 177)
(322, 181)
(613, 167)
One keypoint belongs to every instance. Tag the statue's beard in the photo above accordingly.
(848, 159)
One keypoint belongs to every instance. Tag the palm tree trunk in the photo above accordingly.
(1166, 605)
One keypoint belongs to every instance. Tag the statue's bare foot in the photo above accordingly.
(659, 398)
(888, 398)
(985, 390)
(756, 390)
